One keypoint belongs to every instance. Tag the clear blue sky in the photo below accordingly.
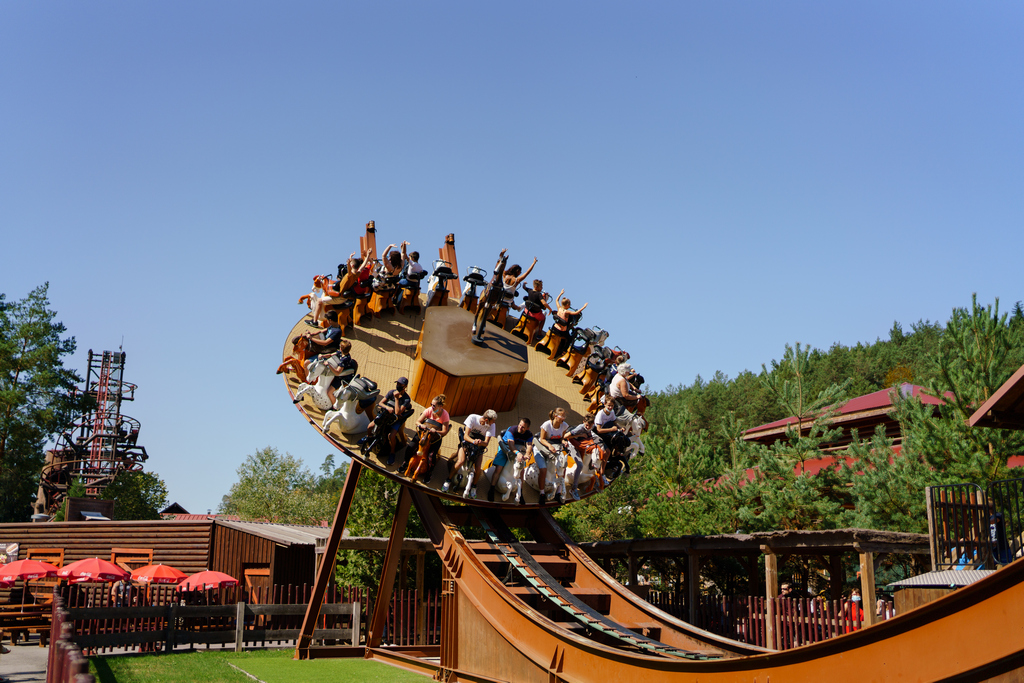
(716, 179)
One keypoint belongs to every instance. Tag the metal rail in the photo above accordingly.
(537, 577)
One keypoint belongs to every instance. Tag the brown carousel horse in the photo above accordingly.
(421, 464)
(297, 361)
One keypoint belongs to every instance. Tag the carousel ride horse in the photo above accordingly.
(354, 402)
(554, 484)
(315, 293)
(585, 469)
(507, 482)
(582, 342)
(419, 464)
(297, 361)
(475, 279)
(314, 387)
(437, 287)
(633, 426)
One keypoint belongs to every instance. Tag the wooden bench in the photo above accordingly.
(17, 621)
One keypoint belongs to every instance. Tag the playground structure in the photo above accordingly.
(542, 610)
(100, 443)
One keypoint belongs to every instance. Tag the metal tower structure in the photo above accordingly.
(101, 443)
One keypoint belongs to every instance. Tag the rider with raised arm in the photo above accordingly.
(490, 298)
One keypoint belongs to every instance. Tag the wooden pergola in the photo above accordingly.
(829, 545)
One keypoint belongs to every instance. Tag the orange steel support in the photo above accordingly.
(369, 241)
(447, 253)
(387, 573)
(326, 569)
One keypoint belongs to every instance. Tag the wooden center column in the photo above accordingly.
(474, 378)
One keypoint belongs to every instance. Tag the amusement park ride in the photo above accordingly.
(540, 609)
(100, 444)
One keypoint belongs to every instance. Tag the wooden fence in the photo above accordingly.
(158, 618)
(65, 662)
(798, 621)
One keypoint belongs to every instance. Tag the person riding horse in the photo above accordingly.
(491, 297)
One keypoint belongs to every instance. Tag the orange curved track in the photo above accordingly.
(974, 634)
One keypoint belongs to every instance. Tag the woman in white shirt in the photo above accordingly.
(549, 443)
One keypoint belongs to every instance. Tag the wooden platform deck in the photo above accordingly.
(385, 350)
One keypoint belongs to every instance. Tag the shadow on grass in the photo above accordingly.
(103, 673)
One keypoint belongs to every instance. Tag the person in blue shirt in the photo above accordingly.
(517, 438)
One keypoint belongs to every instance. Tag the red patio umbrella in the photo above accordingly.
(27, 570)
(92, 569)
(207, 579)
(157, 573)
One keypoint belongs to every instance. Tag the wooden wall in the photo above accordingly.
(183, 545)
(234, 551)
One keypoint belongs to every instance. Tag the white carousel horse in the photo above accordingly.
(314, 387)
(588, 464)
(554, 483)
(506, 484)
(633, 425)
(353, 419)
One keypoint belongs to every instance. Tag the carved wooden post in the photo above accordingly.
(867, 586)
(693, 585)
(771, 581)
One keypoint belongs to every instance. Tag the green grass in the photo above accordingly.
(272, 666)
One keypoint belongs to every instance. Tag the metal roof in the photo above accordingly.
(944, 579)
(285, 534)
(1005, 409)
(877, 401)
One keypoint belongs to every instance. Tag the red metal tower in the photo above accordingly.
(100, 444)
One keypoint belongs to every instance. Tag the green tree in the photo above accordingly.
(787, 382)
(37, 396)
(277, 488)
(137, 495)
(976, 356)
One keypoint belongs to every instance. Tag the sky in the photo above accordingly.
(716, 179)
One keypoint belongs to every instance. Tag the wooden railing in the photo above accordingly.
(65, 662)
(158, 618)
(798, 621)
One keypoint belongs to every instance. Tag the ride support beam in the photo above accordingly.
(447, 253)
(369, 241)
(326, 569)
(386, 585)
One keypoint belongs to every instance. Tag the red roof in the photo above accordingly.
(179, 517)
(877, 400)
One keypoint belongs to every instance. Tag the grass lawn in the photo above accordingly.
(272, 666)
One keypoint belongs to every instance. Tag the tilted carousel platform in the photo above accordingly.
(388, 347)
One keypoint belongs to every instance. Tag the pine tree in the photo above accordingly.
(37, 396)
